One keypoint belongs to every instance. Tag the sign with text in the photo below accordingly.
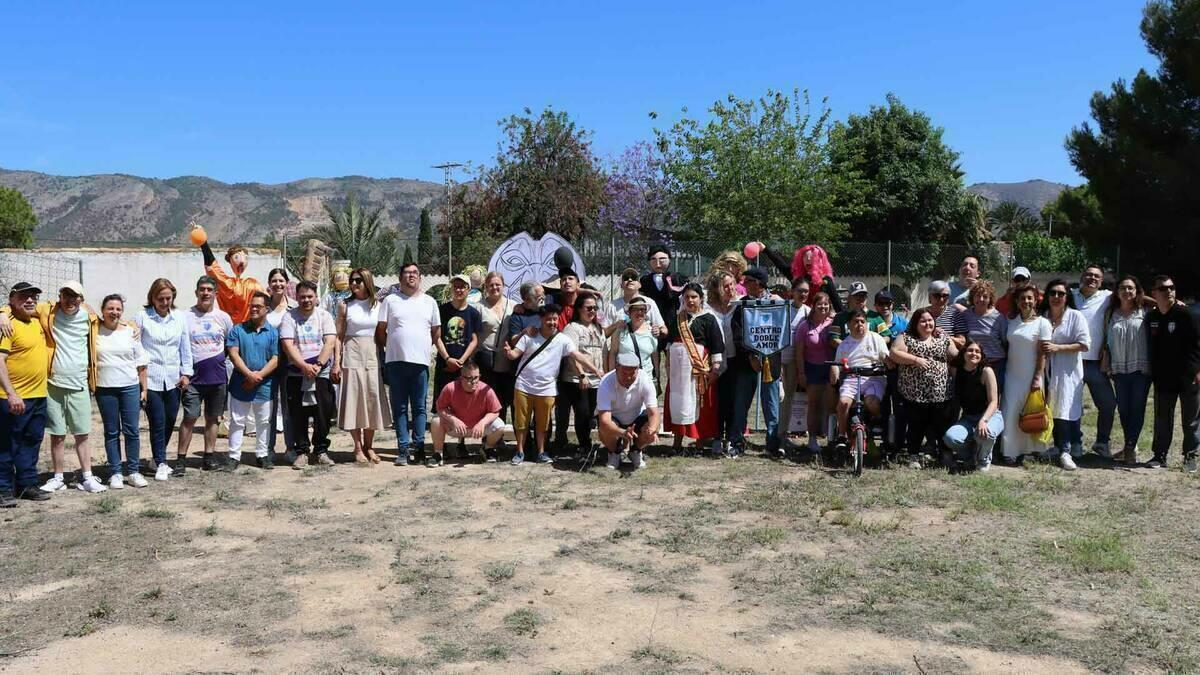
(766, 326)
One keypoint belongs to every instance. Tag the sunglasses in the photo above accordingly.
(1166, 288)
(1056, 294)
(470, 378)
(588, 308)
(943, 296)
(356, 280)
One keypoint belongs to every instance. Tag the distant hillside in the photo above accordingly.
(1032, 194)
(122, 208)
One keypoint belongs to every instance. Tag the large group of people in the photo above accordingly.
(666, 355)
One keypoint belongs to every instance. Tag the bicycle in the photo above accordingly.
(858, 431)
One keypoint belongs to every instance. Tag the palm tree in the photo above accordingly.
(1008, 219)
(358, 236)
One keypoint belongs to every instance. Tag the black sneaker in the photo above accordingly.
(7, 502)
(34, 495)
(266, 463)
(489, 455)
(435, 459)
(1157, 463)
(207, 464)
(230, 464)
(289, 457)
(180, 469)
(418, 456)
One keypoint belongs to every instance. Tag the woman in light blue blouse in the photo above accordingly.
(165, 340)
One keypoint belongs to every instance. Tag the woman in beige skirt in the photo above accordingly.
(363, 408)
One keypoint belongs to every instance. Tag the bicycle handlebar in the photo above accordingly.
(869, 371)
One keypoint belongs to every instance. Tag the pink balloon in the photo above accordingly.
(752, 249)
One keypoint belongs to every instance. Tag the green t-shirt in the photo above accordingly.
(70, 350)
(875, 324)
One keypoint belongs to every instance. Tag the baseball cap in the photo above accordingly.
(628, 360)
(939, 286)
(857, 288)
(629, 273)
(22, 287)
(884, 296)
(461, 277)
(637, 301)
(73, 286)
(756, 273)
(1021, 272)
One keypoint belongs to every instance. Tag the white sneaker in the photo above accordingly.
(1066, 462)
(614, 460)
(640, 460)
(116, 482)
(90, 484)
(54, 485)
(163, 472)
(136, 480)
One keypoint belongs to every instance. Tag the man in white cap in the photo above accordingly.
(1020, 277)
(70, 329)
(627, 410)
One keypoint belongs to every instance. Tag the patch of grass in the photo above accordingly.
(619, 534)
(766, 536)
(106, 504)
(333, 633)
(495, 572)
(211, 530)
(153, 594)
(222, 495)
(101, 611)
(524, 621)
(657, 653)
(1105, 552)
(156, 512)
(989, 494)
(86, 629)
(569, 505)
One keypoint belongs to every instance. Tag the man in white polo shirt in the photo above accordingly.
(409, 326)
(627, 408)
(1093, 301)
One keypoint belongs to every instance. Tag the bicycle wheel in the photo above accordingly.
(858, 451)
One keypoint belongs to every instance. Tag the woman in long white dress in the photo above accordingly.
(1069, 340)
(1026, 361)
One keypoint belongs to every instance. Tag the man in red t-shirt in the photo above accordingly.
(467, 408)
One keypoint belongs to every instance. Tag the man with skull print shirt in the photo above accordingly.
(461, 325)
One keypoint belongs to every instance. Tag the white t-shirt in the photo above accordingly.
(361, 318)
(799, 314)
(616, 312)
(538, 377)
(309, 334)
(1093, 309)
(118, 357)
(862, 353)
(207, 331)
(409, 319)
(625, 404)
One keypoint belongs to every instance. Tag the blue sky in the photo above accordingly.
(273, 92)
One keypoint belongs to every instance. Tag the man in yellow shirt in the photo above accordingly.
(24, 371)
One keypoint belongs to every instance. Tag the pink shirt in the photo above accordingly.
(469, 408)
(815, 340)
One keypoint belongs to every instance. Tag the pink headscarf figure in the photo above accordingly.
(812, 263)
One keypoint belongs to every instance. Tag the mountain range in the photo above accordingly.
(118, 208)
(108, 209)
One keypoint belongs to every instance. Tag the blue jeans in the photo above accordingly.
(407, 385)
(1000, 369)
(1068, 435)
(162, 409)
(20, 442)
(961, 436)
(1104, 397)
(1133, 390)
(746, 381)
(119, 411)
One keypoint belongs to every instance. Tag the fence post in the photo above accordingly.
(450, 256)
(889, 263)
(612, 265)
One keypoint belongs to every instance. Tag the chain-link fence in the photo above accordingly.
(46, 271)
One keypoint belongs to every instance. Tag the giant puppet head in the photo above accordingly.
(812, 263)
(522, 258)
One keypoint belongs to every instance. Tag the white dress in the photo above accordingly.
(1064, 382)
(1023, 337)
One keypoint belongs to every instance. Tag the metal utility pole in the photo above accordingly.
(447, 167)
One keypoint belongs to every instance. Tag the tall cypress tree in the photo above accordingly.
(425, 237)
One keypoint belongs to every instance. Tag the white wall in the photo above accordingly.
(126, 271)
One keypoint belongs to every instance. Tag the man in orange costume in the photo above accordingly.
(233, 292)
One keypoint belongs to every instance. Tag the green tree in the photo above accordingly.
(17, 220)
(907, 185)
(425, 236)
(545, 179)
(358, 235)
(408, 255)
(1142, 158)
(1008, 219)
(1076, 214)
(759, 168)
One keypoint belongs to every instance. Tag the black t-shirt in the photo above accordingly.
(1174, 341)
(458, 326)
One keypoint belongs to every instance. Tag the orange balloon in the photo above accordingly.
(198, 236)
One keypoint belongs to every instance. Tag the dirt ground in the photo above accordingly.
(690, 565)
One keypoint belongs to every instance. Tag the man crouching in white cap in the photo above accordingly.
(627, 408)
